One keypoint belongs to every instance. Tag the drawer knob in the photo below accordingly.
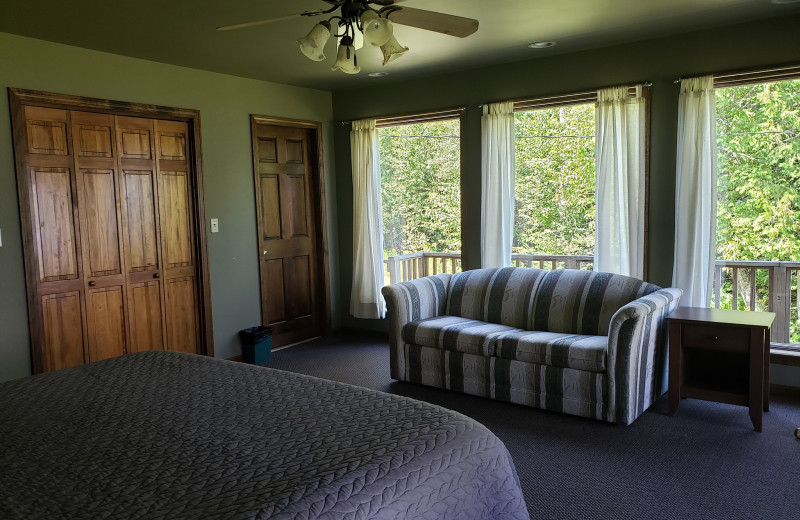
(714, 338)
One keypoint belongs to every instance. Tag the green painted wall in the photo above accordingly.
(225, 104)
(661, 61)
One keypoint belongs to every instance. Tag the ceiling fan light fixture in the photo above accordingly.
(313, 45)
(541, 45)
(377, 31)
(346, 57)
(392, 50)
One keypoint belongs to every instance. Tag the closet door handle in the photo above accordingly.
(92, 283)
(156, 275)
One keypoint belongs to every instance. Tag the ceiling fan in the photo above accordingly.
(369, 21)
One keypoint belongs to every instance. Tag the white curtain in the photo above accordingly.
(620, 179)
(366, 300)
(497, 174)
(696, 192)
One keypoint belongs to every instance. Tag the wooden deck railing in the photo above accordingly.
(757, 285)
(760, 286)
(402, 268)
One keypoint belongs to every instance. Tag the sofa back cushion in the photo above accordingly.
(582, 302)
(495, 295)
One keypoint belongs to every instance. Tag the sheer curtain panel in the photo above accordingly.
(696, 192)
(497, 174)
(366, 300)
(620, 182)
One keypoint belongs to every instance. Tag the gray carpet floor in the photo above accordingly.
(706, 462)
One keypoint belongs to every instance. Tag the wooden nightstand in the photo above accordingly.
(720, 355)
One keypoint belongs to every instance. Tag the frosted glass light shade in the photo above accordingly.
(392, 50)
(346, 58)
(377, 31)
(313, 45)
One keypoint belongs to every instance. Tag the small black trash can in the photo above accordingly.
(256, 344)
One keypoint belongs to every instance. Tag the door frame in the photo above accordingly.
(319, 204)
(18, 99)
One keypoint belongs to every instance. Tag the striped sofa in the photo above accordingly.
(580, 342)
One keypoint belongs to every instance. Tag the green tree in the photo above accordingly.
(758, 169)
(421, 187)
(554, 211)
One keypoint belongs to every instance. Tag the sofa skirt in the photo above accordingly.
(564, 390)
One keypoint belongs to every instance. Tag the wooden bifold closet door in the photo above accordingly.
(110, 242)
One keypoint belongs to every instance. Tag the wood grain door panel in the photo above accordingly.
(52, 204)
(106, 322)
(62, 325)
(181, 315)
(140, 213)
(289, 261)
(99, 218)
(176, 213)
(175, 218)
(144, 308)
(111, 209)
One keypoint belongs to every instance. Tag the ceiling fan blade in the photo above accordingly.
(268, 20)
(433, 21)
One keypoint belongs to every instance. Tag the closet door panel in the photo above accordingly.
(106, 322)
(63, 330)
(141, 218)
(175, 218)
(53, 221)
(181, 315)
(99, 217)
(177, 236)
(145, 312)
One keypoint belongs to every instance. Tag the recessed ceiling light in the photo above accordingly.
(377, 74)
(541, 45)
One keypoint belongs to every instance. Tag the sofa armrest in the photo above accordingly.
(409, 301)
(637, 354)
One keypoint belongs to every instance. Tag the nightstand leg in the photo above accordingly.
(766, 370)
(675, 362)
(756, 376)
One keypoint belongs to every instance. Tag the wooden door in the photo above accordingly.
(56, 273)
(111, 234)
(101, 233)
(290, 264)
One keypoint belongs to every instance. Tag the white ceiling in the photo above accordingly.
(182, 32)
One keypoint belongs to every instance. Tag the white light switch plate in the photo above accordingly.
(214, 225)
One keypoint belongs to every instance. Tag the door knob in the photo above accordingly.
(156, 275)
(92, 283)
(265, 252)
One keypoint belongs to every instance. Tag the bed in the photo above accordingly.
(178, 436)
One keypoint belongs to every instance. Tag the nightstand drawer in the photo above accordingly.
(731, 339)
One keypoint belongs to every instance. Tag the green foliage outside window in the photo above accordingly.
(421, 187)
(554, 211)
(758, 199)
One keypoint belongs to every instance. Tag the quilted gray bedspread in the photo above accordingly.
(178, 436)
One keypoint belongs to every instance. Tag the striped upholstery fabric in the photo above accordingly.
(454, 333)
(409, 301)
(582, 302)
(637, 354)
(555, 349)
(497, 295)
(578, 342)
(565, 390)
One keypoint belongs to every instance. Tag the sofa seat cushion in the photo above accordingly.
(577, 351)
(456, 334)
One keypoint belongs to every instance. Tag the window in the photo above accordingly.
(758, 196)
(420, 158)
(554, 186)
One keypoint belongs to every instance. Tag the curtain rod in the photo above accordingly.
(791, 69)
(574, 94)
(419, 114)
